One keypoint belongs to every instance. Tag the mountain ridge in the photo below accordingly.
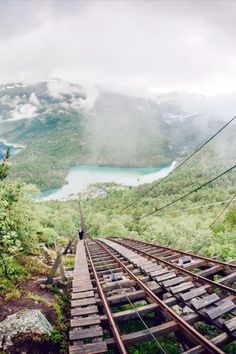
(64, 124)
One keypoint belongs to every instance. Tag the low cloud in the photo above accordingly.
(163, 45)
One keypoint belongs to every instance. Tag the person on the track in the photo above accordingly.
(81, 234)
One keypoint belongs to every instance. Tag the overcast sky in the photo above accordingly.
(141, 45)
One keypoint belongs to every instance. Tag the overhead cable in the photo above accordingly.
(223, 210)
(185, 195)
(182, 163)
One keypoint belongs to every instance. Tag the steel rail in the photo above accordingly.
(195, 335)
(172, 265)
(132, 305)
(183, 252)
(111, 321)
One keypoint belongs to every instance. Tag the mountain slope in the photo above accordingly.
(63, 124)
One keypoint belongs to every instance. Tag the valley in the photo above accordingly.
(62, 126)
(118, 153)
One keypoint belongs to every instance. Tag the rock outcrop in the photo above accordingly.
(23, 322)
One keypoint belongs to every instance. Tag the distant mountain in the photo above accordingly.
(63, 124)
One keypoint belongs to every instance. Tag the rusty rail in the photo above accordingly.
(112, 323)
(187, 328)
(180, 269)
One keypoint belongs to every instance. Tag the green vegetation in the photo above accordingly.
(119, 130)
(25, 226)
(167, 342)
(4, 167)
(186, 224)
(52, 147)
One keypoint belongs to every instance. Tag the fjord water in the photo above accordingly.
(80, 177)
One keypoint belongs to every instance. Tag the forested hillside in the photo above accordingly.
(63, 124)
(27, 227)
(185, 224)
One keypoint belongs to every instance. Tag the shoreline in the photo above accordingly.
(52, 193)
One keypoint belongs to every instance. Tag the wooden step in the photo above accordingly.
(166, 276)
(80, 311)
(82, 287)
(85, 321)
(161, 271)
(81, 333)
(182, 287)
(172, 282)
(150, 268)
(221, 309)
(204, 302)
(82, 295)
(228, 279)
(83, 302)
(193, 293)
(91, 348)
(231, 324)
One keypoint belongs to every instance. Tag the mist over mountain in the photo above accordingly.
(64, 124)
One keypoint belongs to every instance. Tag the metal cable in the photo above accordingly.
(223, 210)
(184, 196)
(132, 305)
(182, 163)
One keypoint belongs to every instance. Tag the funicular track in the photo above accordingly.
(120, 284)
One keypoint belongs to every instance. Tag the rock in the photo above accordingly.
(23, 322)
(182, 310)
(185, 260)
(42, 286)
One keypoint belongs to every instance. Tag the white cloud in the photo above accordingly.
(20, 107)
(58, 88)
(34, 99)
(165, 45)
(25, 111)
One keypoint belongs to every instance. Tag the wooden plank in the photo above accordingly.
(83, 302)
(220, 340)
(156, 272)
(91, 348)
(85, 321)
(228, 279)
(82, 287)
(130, 314)
(193, 293)
(162, 254)
(77, 334)
(172, 257)
(210, 271)
(125, 283)
(121, 298)
(231, 324)
(116, 270)
(150, 268)
(161, 271)
(154, 286)
(166, 276)
(82, 295)
(143, 335)
(204, 302)
(194, 264)
(173, 282)
(182, 287)
(220, 310)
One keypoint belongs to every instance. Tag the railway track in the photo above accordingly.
(123, 294)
